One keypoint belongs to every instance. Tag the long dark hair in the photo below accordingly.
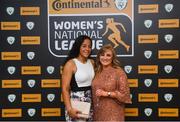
(75, 50)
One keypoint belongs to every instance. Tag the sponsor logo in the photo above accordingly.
(152, 8)
(148, 111)
(11, 83)
(50, 83)
(148, 82)
(31, 83)
(31, 97)
(147, 69)
(50, 97)
(147, 97)
(10, 26)
(10, 55)
(11, 70)
(133, 82)
(131, 112)
(11, 98)
(168, 23)
(30, 55)
(148, 39)
(10, 10)
(168, 97)
(30, 70)
(148, 54)
(168, 54)
(169, 7)
(168, 38)
(31, 112)
(11, 40)
(168, 68)
(168, 83)
(50, 69)
(148, 23)
(11, 113)
(128, 69)
(50, 112)
(30, 40)
(30, 25)
(30, 11)
(168, 112)
(65, 26)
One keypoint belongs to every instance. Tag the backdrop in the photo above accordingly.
(36, 35)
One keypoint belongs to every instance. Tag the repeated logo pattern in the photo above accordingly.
(30, 75)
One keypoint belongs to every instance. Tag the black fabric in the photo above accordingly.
(74, 86)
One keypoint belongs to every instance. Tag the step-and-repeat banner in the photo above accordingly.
(36, 35)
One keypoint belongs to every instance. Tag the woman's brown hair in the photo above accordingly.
(115, 62)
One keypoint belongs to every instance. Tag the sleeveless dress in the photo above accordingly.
(81, 86)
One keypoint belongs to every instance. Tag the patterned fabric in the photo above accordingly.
(107, 108)
(84, 96)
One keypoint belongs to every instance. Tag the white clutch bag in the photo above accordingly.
(84, 107)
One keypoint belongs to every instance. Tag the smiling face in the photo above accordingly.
(85, 49)
(106, 58)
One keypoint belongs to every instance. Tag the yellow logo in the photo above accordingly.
(11, 55)
(168, 54)
(148, 97)
(31, 97)
(147, 38)
(133, 82)
(10, 26)
(50, 112)
(50, 83)
(168, 83)
(168, 112)
(131, 112)
(30, 11)
(30, 40)
(11, 83)
(11, 113)
(151, 8)
(169, 23)
(30, 70)
(148, 69)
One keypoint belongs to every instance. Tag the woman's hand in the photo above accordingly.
(101, 93)
(73, 113)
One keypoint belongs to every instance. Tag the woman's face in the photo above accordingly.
(85, 48)
(106, 58)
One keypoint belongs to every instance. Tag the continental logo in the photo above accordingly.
(11, 113)
(11, 83)
(89, 6)
(10, 55)
(30, 11)
(168, 83)
(169, 23)
(50, 83)
(151, 8)
(168, 112)
(61, 98)
(50, 112)
(31, 97)
(168, 54)
(133, 82)
(148, 97)
(131, 112)
(30, 40)
(148, 38)
(30, 70)
(148, 69)
(10, 26)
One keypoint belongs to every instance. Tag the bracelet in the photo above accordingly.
(109, 94)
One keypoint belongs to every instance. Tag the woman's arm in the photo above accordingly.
(67, 73)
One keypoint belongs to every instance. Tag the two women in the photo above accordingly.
(109, 87)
